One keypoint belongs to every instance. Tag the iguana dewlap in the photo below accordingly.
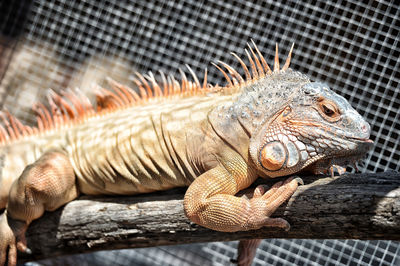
(216, 140)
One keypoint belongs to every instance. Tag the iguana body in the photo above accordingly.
(215, 140)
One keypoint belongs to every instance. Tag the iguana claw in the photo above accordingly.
(299, 180)
(12, 238)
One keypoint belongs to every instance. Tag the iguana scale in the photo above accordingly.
(215, 140)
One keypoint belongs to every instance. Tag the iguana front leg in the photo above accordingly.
(210, 200)
(247, 248)
(44, 185)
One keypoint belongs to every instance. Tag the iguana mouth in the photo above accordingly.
(335, 164)
(365, 140)
(364, 145)
(339, 161)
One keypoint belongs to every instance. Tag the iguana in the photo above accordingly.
(215, 140)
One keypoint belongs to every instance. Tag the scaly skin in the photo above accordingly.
(271, 124)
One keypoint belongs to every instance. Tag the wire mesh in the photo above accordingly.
(351, 45)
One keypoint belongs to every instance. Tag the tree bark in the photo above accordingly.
(353, 206)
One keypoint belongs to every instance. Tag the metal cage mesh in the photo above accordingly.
(351, 45)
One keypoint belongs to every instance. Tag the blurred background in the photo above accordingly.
(353, 46)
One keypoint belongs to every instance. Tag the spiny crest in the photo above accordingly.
(258, 65)
(73, 107)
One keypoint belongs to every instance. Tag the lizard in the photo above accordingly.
(216, 140)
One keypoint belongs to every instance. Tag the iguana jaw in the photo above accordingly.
(339, 163)
(290, 154)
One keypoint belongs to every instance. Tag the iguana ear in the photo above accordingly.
(266, 150)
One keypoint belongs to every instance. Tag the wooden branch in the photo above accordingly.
(357, 206)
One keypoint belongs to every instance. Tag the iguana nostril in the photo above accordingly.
(365, 128)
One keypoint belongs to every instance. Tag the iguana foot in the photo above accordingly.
(12, 238)
(246, 251)
(44, 185)
(264, 203)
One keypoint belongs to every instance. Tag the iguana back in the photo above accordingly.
(142, 148)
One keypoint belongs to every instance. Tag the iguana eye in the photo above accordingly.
(329, 110)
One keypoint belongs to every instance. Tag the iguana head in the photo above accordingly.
(293, 123)
(311, 127)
